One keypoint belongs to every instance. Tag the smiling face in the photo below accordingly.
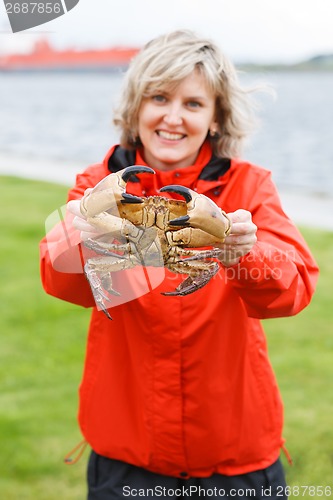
(173, 124)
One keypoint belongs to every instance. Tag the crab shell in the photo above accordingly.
(198, 216)
(153, 211)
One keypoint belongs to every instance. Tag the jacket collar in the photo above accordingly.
(204, 175)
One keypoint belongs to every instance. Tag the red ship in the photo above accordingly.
(44, 58)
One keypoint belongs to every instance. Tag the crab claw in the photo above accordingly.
(130, 198)
(111, 191)
(186, 194)
(203, 213)
(127, 173)
(182, 190)
(135, 169)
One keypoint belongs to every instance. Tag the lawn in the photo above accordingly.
(42, 352)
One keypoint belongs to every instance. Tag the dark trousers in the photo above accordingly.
(112, 480)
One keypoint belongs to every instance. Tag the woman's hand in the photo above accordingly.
(79, 221)
(241, 238)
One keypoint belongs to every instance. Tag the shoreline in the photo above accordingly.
(307, 209)
(60, 171)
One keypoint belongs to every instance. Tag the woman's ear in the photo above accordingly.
(213, 129)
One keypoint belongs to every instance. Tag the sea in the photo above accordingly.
(54, 119)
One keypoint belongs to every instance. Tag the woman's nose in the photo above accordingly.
(173, 115)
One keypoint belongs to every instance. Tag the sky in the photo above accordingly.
(247, 30)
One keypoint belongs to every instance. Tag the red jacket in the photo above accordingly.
(184, 384)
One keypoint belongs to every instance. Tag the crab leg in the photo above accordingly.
(115, 226)
(97, 288)
(205, 254)
(104, 248)
(197, 278)
(98, 272)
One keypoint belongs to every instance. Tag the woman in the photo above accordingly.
(178, 392)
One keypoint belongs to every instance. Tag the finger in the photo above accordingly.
(232, 252)
(82, 225)
(73, 206)
(240, 215)
(238, 241)
(242, 228)
(86, 235)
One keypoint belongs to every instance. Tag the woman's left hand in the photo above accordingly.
(241, 238)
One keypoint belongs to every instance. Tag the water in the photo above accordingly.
(68, 118)
(296, 135)
(58, 116)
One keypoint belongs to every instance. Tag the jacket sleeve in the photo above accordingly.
(61, 254)
(278, 277)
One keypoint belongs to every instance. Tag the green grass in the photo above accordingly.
(42, 351)
(301, 350)
(41, 356)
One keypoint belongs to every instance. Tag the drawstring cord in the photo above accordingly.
(79, 449)
(288, 456)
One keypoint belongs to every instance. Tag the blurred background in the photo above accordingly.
(59, 83)
(56, 100)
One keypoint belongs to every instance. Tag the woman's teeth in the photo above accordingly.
(169, 136)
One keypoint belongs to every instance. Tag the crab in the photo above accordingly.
(150, 231)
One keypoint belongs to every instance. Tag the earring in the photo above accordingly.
(135, 138)
(212, 131)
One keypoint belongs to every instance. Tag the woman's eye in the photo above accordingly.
(194, 104)
(158, 98)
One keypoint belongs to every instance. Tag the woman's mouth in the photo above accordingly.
(170, 136)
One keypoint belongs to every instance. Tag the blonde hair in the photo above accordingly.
(164, 62)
